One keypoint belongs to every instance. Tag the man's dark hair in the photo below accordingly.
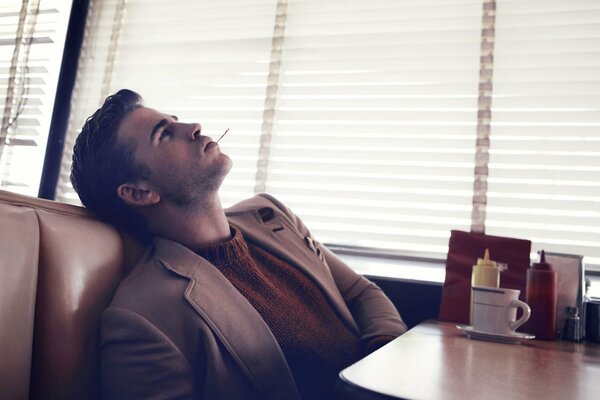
(101, 163)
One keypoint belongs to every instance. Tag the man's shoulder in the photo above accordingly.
(256, 202)
(262, 204)
(147, 279)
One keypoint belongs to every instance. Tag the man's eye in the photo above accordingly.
(164, 134)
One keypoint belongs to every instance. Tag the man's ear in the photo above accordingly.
(137, 195)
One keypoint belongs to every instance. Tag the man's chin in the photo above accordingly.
(229, 164)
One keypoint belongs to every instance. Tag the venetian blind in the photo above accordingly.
(374, 135)
(32, 34)
(368, 118)
(204, 62)
(359, 116)
(544, 179)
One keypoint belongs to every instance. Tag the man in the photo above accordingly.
(225, 304)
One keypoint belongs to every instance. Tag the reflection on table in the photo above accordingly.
(435, 360)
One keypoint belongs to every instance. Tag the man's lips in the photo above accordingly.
(208, 143)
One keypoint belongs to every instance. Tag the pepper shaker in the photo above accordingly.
(571, 329)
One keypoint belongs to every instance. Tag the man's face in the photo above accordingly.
(185, 166)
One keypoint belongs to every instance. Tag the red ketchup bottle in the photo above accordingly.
(541, 296)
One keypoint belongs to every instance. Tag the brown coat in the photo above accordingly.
(177, 329)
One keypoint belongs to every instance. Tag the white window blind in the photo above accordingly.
(203, 61)
(544, 180)
(32, 35)
(366, 117)
(373, 141)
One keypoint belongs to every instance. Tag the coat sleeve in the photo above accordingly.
(375, 315)
(139, 361)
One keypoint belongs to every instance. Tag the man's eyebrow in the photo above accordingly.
(161, 124)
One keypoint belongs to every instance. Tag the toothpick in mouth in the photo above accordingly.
(227, 130)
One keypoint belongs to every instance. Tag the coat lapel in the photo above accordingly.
(233, 320)
(279, 237)
(231, 317)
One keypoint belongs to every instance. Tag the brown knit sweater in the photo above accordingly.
(315, 342)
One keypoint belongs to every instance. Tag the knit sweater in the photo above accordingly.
(314, 341)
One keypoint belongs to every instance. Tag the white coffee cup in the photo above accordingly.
(495, 310)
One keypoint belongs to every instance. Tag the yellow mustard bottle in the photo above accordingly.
(485, 273)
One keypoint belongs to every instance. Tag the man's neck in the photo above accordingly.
(193, 228)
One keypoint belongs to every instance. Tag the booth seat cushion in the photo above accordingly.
(19, 244)
(71, 265)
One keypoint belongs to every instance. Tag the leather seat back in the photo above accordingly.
(19, 248)
(68, 267)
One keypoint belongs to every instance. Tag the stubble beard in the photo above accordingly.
(197, 190)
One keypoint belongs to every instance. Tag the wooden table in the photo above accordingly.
(435, 360)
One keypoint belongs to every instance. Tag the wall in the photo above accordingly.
(416, 302)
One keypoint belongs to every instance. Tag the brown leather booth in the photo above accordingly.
(59, 268)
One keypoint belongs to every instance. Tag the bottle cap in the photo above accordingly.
(485, 261)
(542, 264)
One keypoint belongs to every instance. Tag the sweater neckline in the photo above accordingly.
(226, 253)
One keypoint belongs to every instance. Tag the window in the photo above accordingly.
(208, 64)
(32, 35)
(373, 140)
(544, 179)
(382, 124)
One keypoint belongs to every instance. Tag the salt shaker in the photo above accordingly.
(571, 329)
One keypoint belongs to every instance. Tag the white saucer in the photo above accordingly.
(515, 337)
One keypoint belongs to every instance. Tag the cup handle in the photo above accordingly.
(526, 313)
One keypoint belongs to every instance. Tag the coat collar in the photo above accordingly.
(274, 232)
(232, 318)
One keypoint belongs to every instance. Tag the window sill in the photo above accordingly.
(421, 272)
(413, 271)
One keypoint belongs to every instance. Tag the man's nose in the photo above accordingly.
(194, 131)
